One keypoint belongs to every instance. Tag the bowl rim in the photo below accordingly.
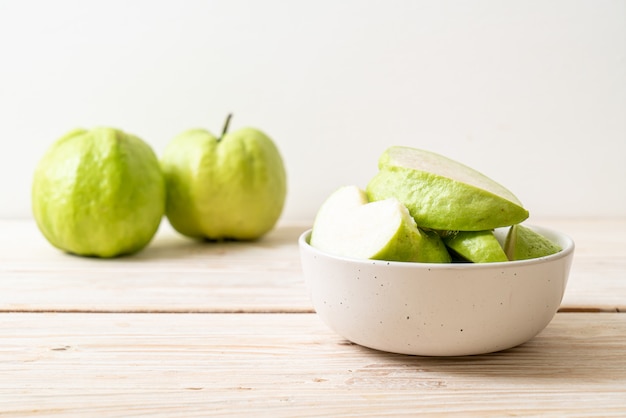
(567, 246)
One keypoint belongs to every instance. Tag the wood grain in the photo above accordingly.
(194, 365)
(175, 274)
(598, 277)
(192, 329)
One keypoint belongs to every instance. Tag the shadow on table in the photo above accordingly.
(171, 245)
(571, 349)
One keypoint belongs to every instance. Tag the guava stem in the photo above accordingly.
(226, 123)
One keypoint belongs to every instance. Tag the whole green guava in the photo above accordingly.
(228, 187)
(99, 192)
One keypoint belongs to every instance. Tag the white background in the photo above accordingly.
(531, 93)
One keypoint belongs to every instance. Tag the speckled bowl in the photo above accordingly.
(437, 309)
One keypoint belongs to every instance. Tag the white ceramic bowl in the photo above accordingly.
(437, 309)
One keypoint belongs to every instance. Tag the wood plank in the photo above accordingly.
(23, 249)
(175, 274)
(598, 276)
(190, 365)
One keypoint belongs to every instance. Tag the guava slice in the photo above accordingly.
(443, 194)
(347, 224)
(522, 243)
(475, 246)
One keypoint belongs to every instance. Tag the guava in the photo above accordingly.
(348, 225)
(443, 194)
(99, 192)
(523, 243)
(227, 187)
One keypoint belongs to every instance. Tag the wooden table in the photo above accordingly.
(189, 329)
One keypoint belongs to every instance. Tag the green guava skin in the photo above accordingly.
(98, 193)
(411, 244)
(229, 188)
(476, 246)
(522, 243)
(436, 201)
